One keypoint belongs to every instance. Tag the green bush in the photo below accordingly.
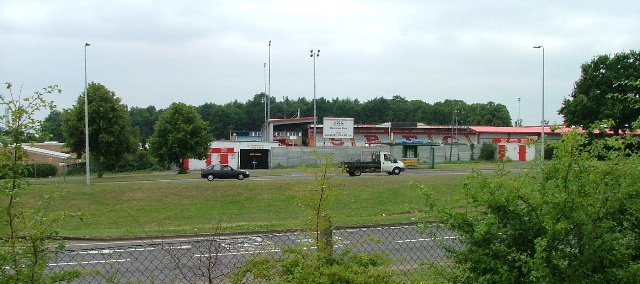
(573, 219)
(30, 171)
(302, 265)
(549, 149)
(76, 169)
(138, 161)
(41, 170)
(488, 151)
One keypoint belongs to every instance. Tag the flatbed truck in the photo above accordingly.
(379, 162)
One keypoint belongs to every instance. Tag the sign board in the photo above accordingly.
(512, 140)
(337, 127)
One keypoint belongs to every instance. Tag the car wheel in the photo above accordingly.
(357, 172)
(240, 176)
(396, 171)
(210, 177)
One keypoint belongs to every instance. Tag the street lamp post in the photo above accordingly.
(519, 120)
(86, 117)
(314, 55)
(269, 134)
(264, 95)
(542, 124)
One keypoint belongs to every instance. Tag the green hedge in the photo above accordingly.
(41, 170)
(28, 170)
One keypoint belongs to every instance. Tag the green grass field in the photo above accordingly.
(114, 206)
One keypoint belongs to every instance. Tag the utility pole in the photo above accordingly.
(314, 55)
(86, 117)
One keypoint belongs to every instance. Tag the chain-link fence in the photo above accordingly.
(212, 259)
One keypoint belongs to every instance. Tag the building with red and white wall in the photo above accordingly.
(378, 134)
(238, 154)
(516, 143)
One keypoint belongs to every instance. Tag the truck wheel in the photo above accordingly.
(210, 177)
(396, 171)
(357, 172)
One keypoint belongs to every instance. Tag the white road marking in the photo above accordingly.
(428, 239)
(89, 262)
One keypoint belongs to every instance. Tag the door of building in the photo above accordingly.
(254, 159)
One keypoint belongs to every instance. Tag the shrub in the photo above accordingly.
(29, 171)
(573, 219)
(41, 170)
(488, 151)
(301, 265)
(76, 169)
(549, 149)
(138, 161)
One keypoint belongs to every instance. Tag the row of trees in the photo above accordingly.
(250, 115)
(116, 134)
(179, 131)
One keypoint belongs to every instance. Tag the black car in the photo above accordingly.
(222, 171)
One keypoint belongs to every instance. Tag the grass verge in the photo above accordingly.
(170, 207)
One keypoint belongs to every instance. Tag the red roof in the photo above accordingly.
(527, 129)
(519, 129)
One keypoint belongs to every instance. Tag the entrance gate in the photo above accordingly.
(251, 159)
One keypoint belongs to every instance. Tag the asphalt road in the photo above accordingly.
(164, 260)
(296, 176)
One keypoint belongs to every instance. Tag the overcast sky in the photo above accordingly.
(159, 52)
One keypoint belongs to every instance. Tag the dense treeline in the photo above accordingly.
(250, 115)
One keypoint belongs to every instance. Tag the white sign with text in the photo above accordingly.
(337, 127)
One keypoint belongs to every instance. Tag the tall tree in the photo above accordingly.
(143, 119)
(52, 126)
(378, 110)
(601, 93)
(180, 133)
(399, 109)
(110, 133)
(344, 108)
(487, 114)
(444, 112)
(255, 112)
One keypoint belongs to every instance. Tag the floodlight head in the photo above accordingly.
(87, 44)
(538, 46)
